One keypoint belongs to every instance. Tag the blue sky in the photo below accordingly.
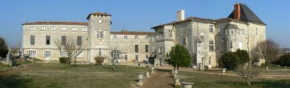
(138, 15)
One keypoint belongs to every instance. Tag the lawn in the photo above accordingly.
(80, 76)
(4, 67)
(220, 81)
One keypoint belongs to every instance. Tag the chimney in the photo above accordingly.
(180, 15)
(237, 12)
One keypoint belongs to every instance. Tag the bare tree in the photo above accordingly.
(70, 47)
(267, 50)
(15, 50)
(248, 72)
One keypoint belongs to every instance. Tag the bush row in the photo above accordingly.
(231, 60)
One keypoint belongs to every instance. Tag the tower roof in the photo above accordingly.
(246, 15)
(98, 13)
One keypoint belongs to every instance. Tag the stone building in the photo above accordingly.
(207, 39)
(39, 39)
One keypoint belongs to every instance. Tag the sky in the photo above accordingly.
(138, 15)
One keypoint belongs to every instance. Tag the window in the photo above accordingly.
(136, 57)
(146, 48)
(100, 51)
(209, 60)
(47, 40)
(63, 40)
(84, 29)
(52, 28)
(125, 37)
(146, 37)
(136, 37)
(160, 50)
(257, 31)
(126, 57)
(170, 33)
(115, 54)
(211, 28)
(32, 40)
(221, 32)
(153, 39)
(241, 45)
(32, 28)
(228, 32)
(136, 48)
(147, 57)
(98, 34)
(232, 31)
(74, 29)
(81, 55)
(243, 32)
(79, 40)
(102, 34)
(32, 53)
(43, 28)
(115, 37)
(211, 47)
(63, 28)
(63, 53)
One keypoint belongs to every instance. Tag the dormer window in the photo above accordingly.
(136, 37)
(43, 28)
(63, 28)
(74, 29)
(52, 28)
(32, 28)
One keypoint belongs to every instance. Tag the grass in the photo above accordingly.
(4, 67)
(80, 76)
(220, 81)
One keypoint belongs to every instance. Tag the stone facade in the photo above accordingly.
(208, 39)
(39, 39)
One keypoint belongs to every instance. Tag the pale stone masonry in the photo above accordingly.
(39, 39)
(208, 39)
(205, 39)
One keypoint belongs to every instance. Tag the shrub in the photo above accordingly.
(284, 60)
(99, 60)
(63, 59)
(229, 60)
(243, 55)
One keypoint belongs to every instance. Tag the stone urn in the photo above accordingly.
(147, 75)
(187, 84)
(224, 71)
(152, 69)
(176, 82)
(140, 77)
(175, 71)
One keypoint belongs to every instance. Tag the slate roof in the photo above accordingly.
(55, 23)
(247, 15)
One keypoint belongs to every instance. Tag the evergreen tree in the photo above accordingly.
(243, 55)
(3, 47)
(178, 57)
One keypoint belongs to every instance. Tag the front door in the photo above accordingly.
(47, 55)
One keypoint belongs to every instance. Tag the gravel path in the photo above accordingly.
(159, 79)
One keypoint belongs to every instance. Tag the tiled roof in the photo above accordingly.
(98, 13)
(187, 19)
(133, 33)
(55, 23)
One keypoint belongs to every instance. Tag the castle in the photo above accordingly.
(206, 39)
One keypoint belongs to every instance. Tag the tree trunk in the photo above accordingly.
(177, 67)
(249, 82)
